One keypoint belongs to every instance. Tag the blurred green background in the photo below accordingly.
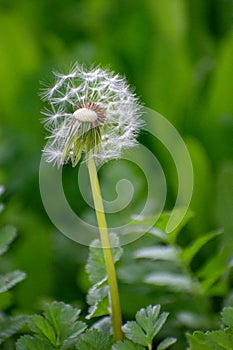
(178, 54)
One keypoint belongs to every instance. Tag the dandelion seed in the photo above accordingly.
(92, 112)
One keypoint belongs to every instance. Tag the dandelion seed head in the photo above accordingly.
(92, 112)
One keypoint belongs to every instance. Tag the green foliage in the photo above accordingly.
(127, 345)
(9, 279)
(10, 325)
(93, 339)
(148, 323)
(215, 340)
(7, 235)
(97, 296)
(187, 77)
(95, 266)
(178, 274)
(30, 343)
(58, 328)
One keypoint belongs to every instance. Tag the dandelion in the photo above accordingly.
(92, 112)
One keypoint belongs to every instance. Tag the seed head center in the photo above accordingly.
(85, 115)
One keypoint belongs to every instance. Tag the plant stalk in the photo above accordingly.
(107, 251)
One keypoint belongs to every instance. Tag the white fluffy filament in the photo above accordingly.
(85, 115)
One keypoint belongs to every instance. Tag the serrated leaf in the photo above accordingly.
(157, 253)
(127, 345)
(175, 282)
(64, 319)
(227, 316)
(166, 343)
(43, 328)
(98, 292)
(100, 308)
(188, 253)
(10, 279)
(103, 325)
(96, 266)
(148, 324)
(134, 332)
(97, 298)
(10, 325)
(30, 343)
(93, 340)
(58, 325)
(197, 341)
(215, 340)
(222, 338)
(146, 318)
(7, 235)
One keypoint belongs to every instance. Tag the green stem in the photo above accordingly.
(107, 251)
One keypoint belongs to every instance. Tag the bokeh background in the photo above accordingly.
(178, 56)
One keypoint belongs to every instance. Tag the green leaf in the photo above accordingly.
(222, 338)
(64, 319)
(103, 325)
(149, 321)
(176, 282)
(146, 224)
(188, 253)
(10, 325)
(157, 253)
(197, 341)
(59, 325)
(215, 340)
(7, 235)
(97, 298)
(10, 279)
(135, 333)
(98, 292)
(157, 227)
(42, 327)
(163, 221)
(96, 265)
(227, 316)
(148, 324)
(93, 340)
(100, 308)
(166, 343)
(212, 271)
(127, 345)
(30, 343)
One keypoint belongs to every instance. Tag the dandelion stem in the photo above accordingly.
(107, 251)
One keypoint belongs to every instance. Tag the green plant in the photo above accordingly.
(221, 339)
(179, 273)
(8, 324)
(60, 328)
